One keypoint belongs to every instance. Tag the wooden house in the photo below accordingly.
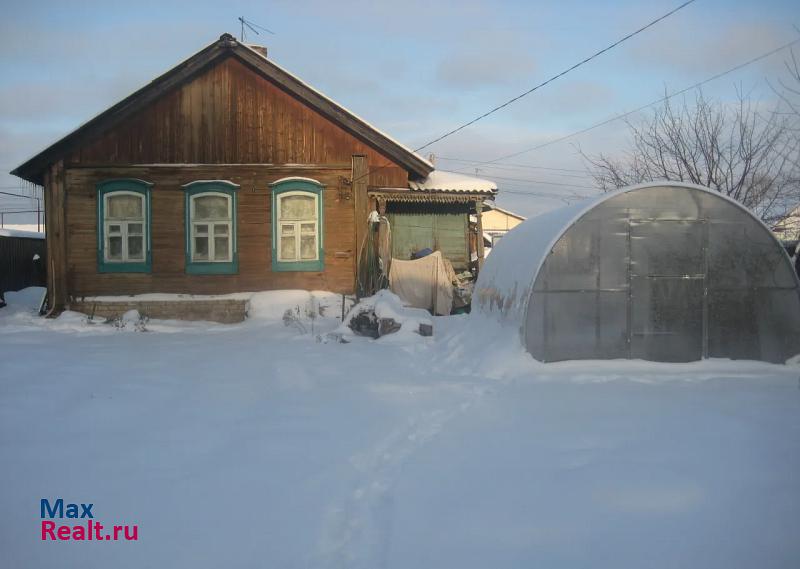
(788, 227)
(497, 222)
(226, 174)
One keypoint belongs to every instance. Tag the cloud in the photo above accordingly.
(478, 66)
(710, 49)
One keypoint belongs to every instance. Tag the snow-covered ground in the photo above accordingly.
(256, 445)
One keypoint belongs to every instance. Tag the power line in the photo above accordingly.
(479, 162)
(19, 195)
(515, 168)
(545, 182)
(567, 198)
(556, 76)
(537, 87)
(643, 107)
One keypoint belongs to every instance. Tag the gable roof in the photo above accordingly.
(33, 169)
(495, 207)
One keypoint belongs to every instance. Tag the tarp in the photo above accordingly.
(424, 283)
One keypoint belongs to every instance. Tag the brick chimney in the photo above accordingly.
(259, 48)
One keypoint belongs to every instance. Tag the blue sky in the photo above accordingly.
(415, 69)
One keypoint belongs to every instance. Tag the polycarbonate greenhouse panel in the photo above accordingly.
(667, 247)
(594, 326)
(667, 319)
(663, 272)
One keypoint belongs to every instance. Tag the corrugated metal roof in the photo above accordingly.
(443, 181)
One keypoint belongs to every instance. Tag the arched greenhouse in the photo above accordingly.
(663, 271)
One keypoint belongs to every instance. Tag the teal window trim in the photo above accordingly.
(123, 185)
(193, 190)
(298, 185)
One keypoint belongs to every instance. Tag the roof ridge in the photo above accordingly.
(32, 169)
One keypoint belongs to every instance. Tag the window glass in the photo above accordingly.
(136, 247)
(298, 207)
(201, 248)
(125, 206)
(308, 247)
(221, 248)
(114, 251)
(287, 243)
(211, 207)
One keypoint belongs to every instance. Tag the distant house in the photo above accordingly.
(788, 228)
(497, 222)
(229, 174)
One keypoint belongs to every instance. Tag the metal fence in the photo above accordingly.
(22, 263)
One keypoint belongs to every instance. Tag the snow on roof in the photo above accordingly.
(443, 181)
(495, 207)
(345, 109)
(20, 233)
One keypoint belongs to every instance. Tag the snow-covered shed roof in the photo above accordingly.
(4, 232)
(443, 181)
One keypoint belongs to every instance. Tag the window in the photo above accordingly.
(211, 228)
(297, 225)
(123, 226)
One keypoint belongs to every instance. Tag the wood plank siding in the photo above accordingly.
(230, 115)
(227, 123)
(225, 113)
(254, 229)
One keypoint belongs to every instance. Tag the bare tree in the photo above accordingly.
(788, 89)
(733, 149)
(788, 92)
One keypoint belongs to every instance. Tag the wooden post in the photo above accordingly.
(360, 178)
(56, 237)
(479, 242)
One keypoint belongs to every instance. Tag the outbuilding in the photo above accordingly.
(22, 260)
(662, 271)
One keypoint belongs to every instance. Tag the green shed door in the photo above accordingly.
(445, 232)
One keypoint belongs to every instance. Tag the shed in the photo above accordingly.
(661, 271)
(22, 260)
(434, 213)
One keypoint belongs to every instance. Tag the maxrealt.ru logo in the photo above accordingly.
(88, 530)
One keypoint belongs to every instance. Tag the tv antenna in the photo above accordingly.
(248, 25)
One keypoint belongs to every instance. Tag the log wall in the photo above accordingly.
(254, 230)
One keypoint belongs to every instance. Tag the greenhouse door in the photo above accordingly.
(667, 289)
